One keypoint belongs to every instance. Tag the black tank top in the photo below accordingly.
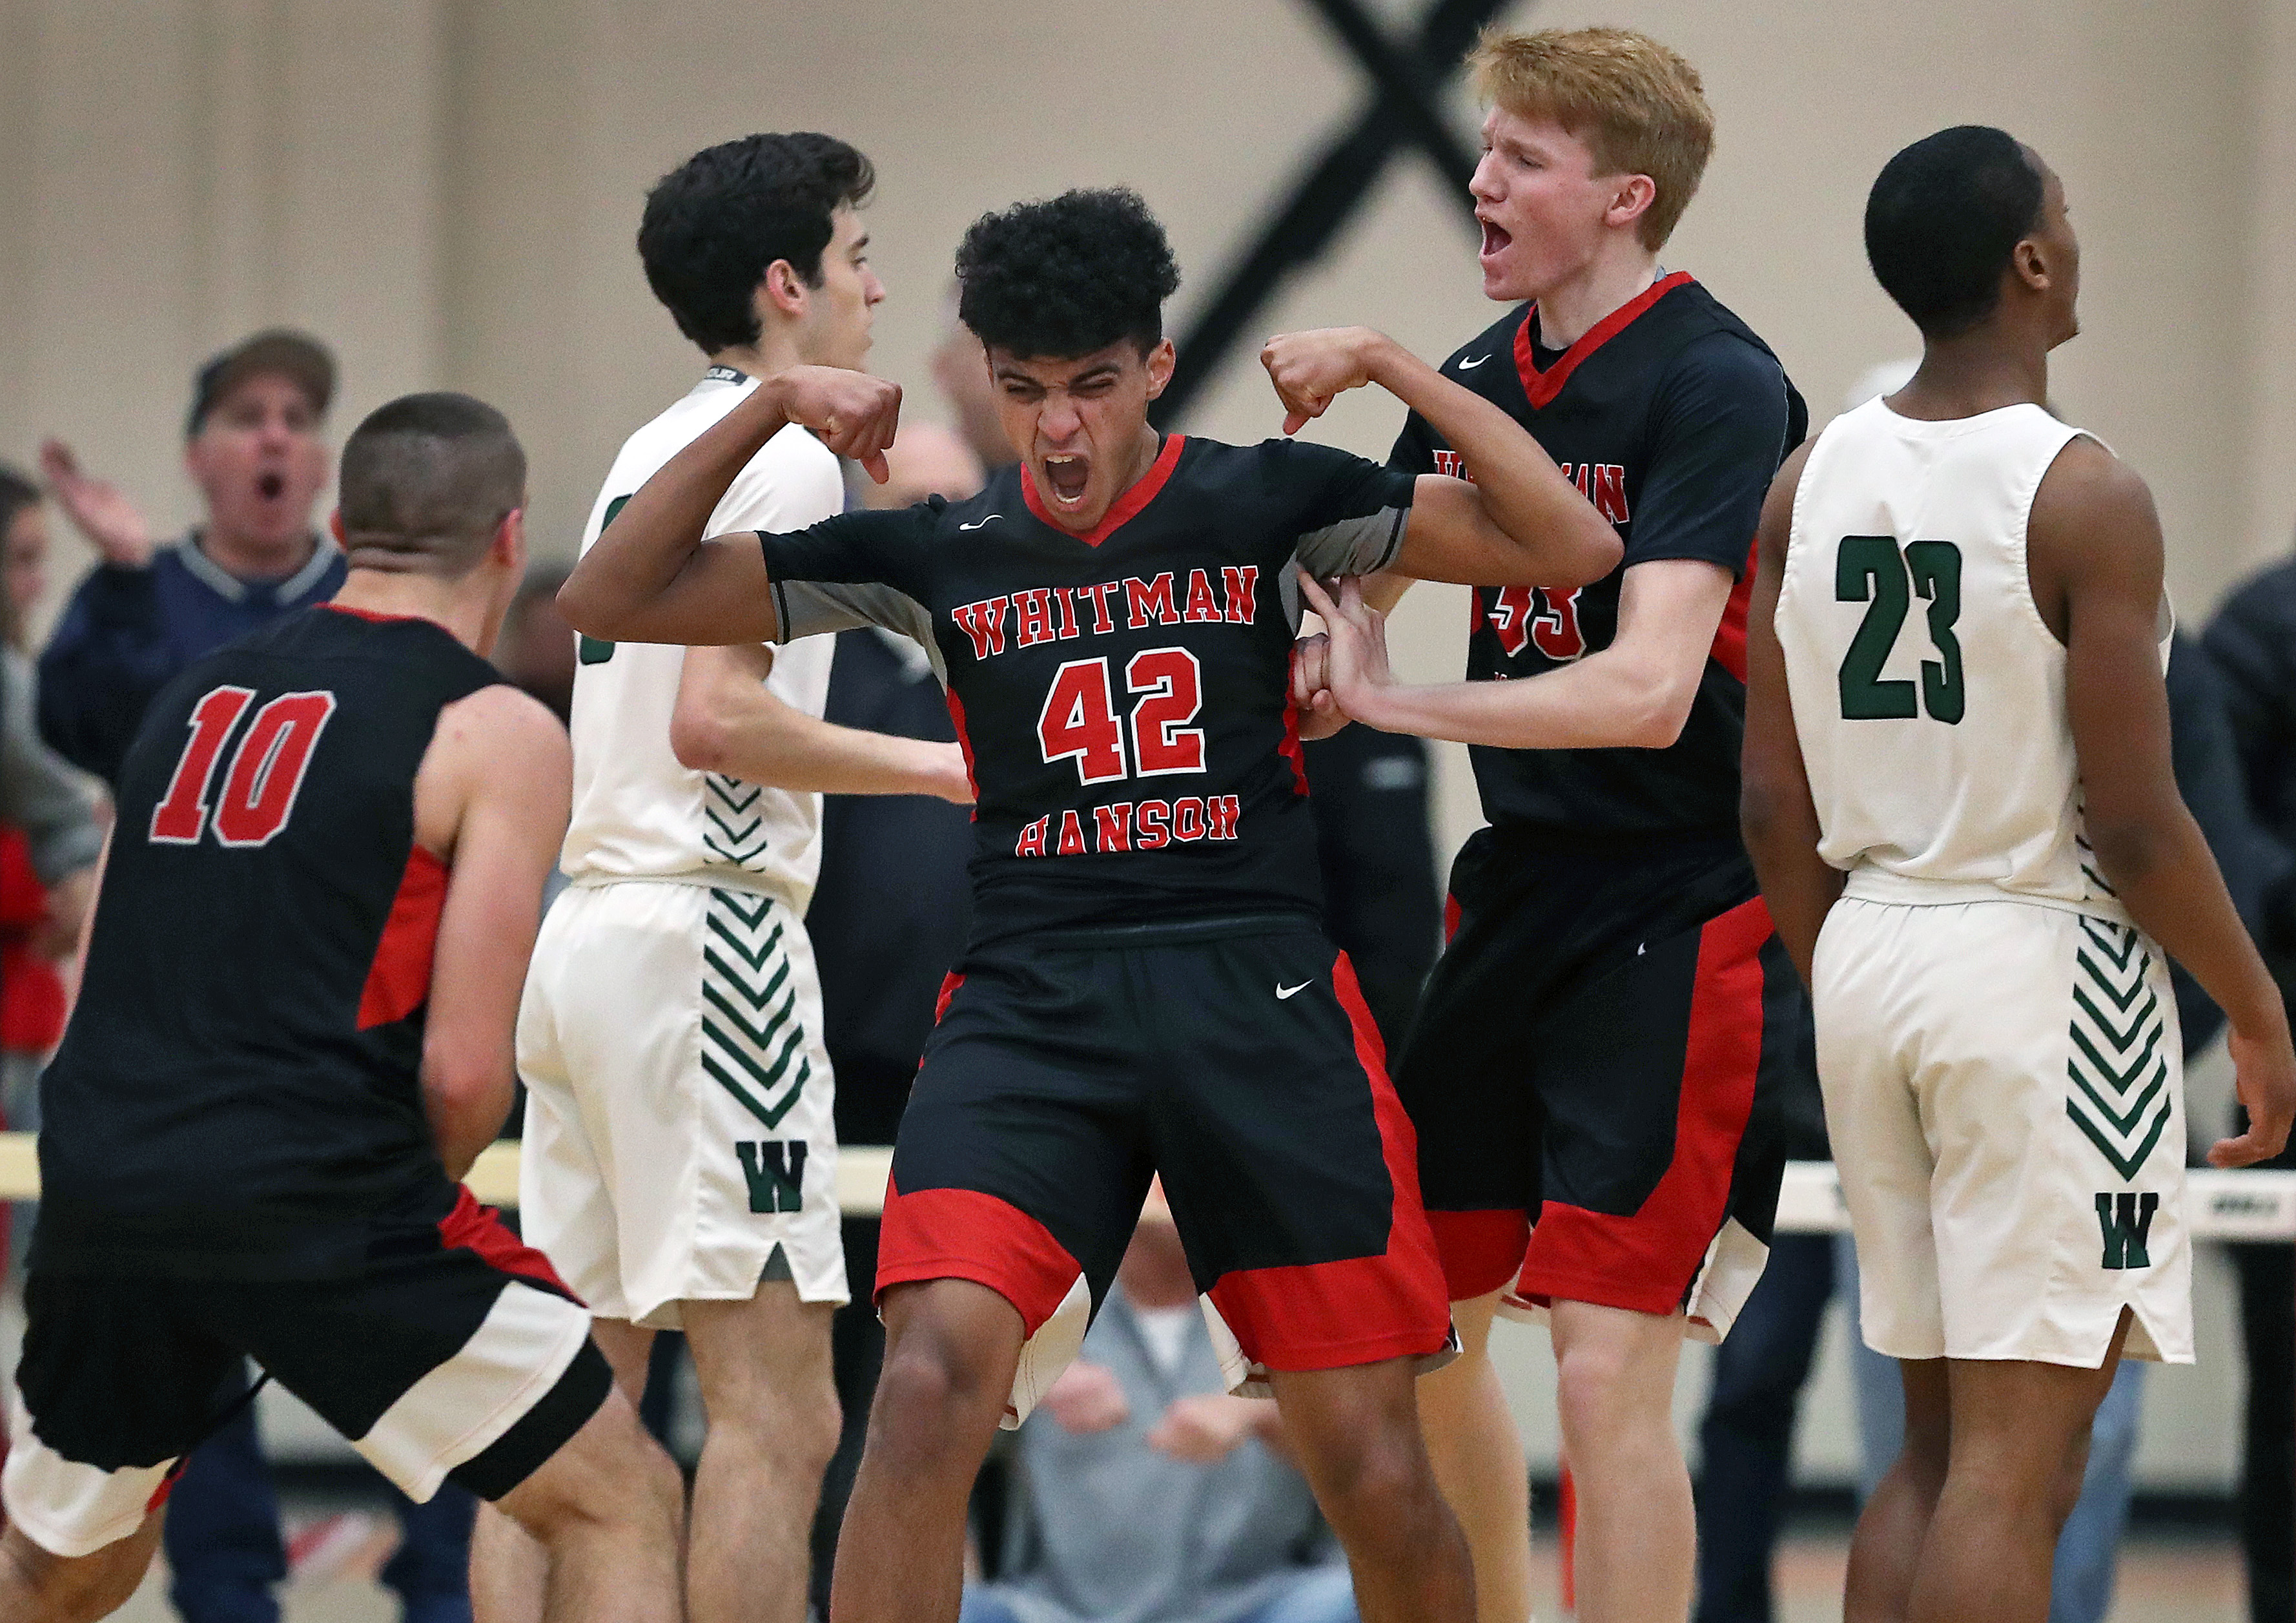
(238, 1094)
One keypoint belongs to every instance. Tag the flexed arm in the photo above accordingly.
(654, 576)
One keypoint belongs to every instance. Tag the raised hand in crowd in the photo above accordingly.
(98, 509)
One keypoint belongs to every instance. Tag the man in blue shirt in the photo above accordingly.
(254, 447)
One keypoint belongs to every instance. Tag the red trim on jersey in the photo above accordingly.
(1451, 914)
(1361, 1309)
(1481, 1251)
(399, 981)
(1145, 489)
(1292, 749)
(1730, 636)
(950, 982)
(964, 1234)
(364, 613)
(965, 743)
(1647, 1262)
(473, 1227)
(1542, 387)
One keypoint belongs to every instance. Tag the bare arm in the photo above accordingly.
(1635, 694)
(2093, 550)
(1521, 522)
(1775, 814)
(727, 721)
(655, 577)
(491, 801)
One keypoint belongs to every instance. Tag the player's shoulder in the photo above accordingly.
(2089, 480)
(503, 728)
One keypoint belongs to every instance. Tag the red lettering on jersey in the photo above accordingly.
(1031, 843)
(1509, 614)
(1072, 834)
(266, 770)
(1148, 603)
(1171, 682)
(984, 622)
(1453, 466)
(1034, 608)
(1609, 492)
(1067, 615)
(180, 817)
(1202, 605)
(1113, 825)
(1222, 813)
(1555, 628)
(1101, 622)
(1154, 821)
(1188, 819)
(1242, 585)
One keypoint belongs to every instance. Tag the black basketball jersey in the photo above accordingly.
(238, 1094)
(1123, 696)
(1671, 417)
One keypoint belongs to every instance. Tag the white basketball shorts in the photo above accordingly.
(2005, 1090)
(678, 1127)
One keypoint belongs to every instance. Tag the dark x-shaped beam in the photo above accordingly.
(1409, 111)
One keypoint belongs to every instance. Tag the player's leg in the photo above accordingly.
(1357, 1431)
(1614, 1391)
(951, 1348)
(1478, 1462)
(1016, 1182)
(36, 1586)
(607, 1508)
(2019, 1436)
(1298, 1198)
(1886, 1547)
(763, 1366)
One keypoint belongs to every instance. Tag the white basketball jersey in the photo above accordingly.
(1928, 695)
(638, 813)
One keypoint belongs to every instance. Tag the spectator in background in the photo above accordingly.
(536, 647)
(2252, 646)
(49, 834)
(1144, 1493)
(960, 371)
(254, 447)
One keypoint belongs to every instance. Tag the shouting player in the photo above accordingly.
(1591, 1068)
(1958, 791)
(681, 1155)
(1146, 987)
(294, 1035)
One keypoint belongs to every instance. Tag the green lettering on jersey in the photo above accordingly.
(591, 650)
(1870, 569)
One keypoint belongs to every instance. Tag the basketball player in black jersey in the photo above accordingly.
(1599, 1046)
(293, 1036)
(1146, 987)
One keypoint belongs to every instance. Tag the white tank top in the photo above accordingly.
(1928, 694)
(638, 813)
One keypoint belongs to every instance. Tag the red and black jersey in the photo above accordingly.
(239, 1091)
(1123, 696)
(1672, 418)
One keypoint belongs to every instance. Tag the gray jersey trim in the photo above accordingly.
(812, 608)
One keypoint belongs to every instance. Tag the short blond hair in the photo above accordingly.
(1637, 106)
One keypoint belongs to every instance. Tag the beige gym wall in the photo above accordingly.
(447, 191)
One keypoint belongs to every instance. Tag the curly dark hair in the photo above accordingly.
(1942, 221)
(1065, 276)
(715, 223)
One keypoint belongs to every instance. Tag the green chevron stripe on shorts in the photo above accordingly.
(732, 823)
(2120, 1093)
(753, 1037)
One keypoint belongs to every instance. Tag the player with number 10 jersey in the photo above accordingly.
(1147, 989)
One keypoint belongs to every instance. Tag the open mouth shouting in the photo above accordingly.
(1496, 238)
(271, 486)
(1068, 475)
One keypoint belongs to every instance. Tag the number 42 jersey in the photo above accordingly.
(1122, 695)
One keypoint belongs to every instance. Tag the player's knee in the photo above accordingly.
(1591, 1395)
(74, 1591)
(794, 1426)
(929, 1382)
(1375, 1484)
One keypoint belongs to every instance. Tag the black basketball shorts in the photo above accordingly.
(455, 1356)
(1595, 1073)
(1233, 1057)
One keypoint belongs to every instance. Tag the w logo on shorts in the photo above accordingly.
(2127, 1221)
(2120, 1095)
(752, 1031)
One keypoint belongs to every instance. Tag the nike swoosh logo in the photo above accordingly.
(979, 521)
(1469, 365)
(1285, 991)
